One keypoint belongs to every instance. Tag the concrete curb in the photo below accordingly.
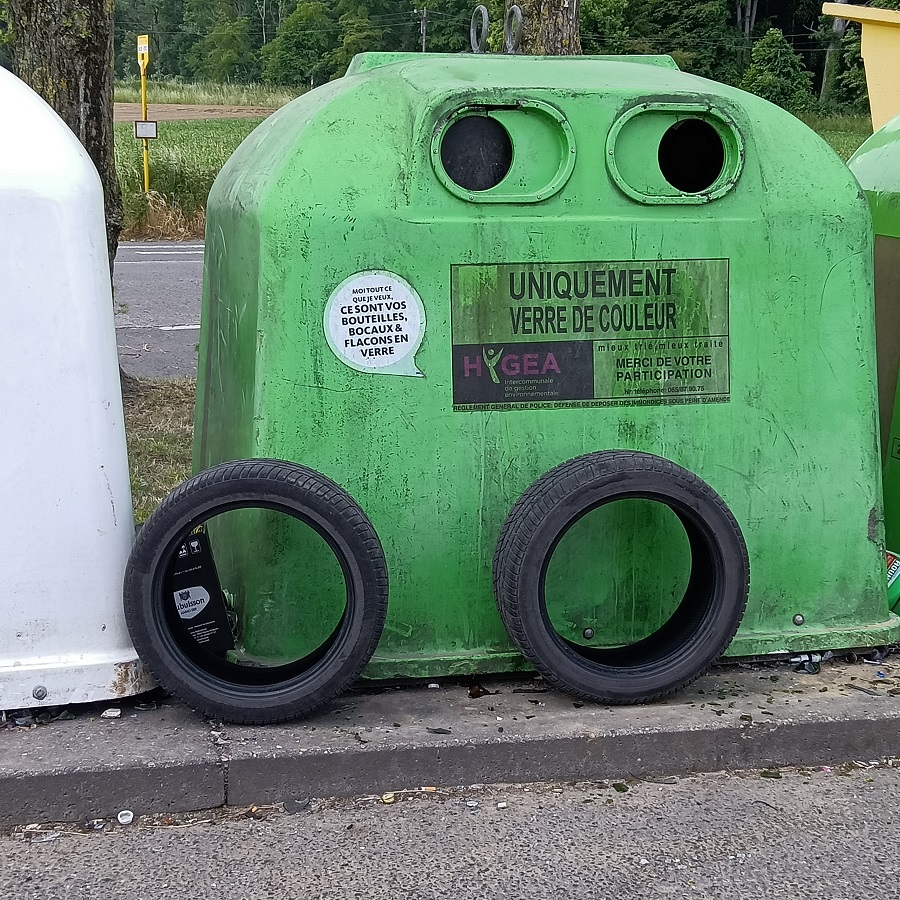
(91, 767)
(171, 760)
(583, 758)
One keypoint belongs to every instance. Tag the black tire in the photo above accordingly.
(696, 634)
(281, 693)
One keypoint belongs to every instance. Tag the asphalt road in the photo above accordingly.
(158, 288)
(825, 835)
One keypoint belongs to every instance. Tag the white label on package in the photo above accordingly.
(375, 322)
(191, 601)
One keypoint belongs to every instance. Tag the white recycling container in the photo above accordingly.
(67, 523)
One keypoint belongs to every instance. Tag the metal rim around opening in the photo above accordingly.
(721, 122)
(497, 194)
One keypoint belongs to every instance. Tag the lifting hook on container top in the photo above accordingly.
(512, 29)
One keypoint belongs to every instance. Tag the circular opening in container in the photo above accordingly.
(476, 152)
(618, 575)
(254, 597)
(691, 155)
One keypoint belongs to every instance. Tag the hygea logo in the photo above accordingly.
(191, 601)
(495, 362)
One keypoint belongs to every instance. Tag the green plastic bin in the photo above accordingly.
(876, 165)
(440, 276)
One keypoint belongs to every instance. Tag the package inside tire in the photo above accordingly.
(198, 604)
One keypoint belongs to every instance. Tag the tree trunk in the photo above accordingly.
(832, 57)
(550, 28)
(829, 75)
(64, 50)
(746, 16)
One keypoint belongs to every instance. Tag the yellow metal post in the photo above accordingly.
(880, 53)
(143, 54)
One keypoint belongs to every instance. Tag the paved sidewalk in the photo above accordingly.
(373, 740)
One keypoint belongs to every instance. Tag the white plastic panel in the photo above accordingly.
(67, 523)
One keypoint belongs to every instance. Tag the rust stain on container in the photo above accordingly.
(131, 678)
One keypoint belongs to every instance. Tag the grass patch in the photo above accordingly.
(167, 90)
(184, 162)
(159, 425)
(843, 133)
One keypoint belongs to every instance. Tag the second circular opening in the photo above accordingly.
(618, 574)
(691, 155)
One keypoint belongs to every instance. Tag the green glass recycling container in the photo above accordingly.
(876, 165)
(440, 276)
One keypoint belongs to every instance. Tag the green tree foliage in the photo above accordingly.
(358, 33)
(371, 25)
(226, 52)
(701, 35)
(448, 25)
(850, 90)
(606, 26)
(170, 40)
(307, 42)
(777, 74)
(301, 51)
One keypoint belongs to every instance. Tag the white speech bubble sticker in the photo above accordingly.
(375, 322)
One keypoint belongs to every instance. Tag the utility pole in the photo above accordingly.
(423, 23)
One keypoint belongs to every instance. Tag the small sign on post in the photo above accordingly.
(143, 129)
(143, 51)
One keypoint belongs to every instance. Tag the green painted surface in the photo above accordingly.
(282, 581)
(876, 165)
(624, 602)
(892, 477)
(774, 265)
(365, 62)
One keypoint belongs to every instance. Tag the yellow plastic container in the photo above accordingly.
(880, 53)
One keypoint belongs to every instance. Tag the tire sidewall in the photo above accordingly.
(190, 505)
(537, 531)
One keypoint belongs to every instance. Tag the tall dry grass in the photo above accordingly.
(184, 163)
(159, 424)
(156, 217)
(171, 90)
